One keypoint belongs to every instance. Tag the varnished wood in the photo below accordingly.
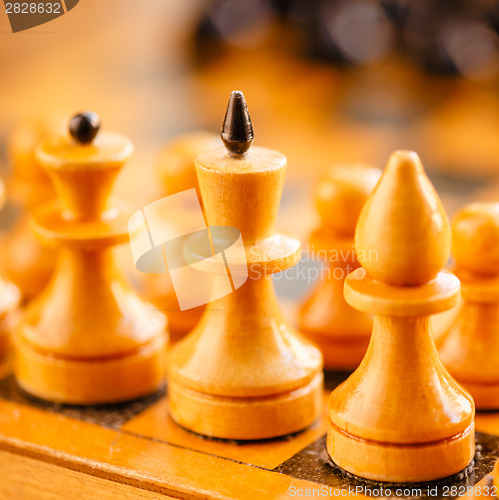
(341, 332)
(24, 477)
(87, 338)
(126, 457)
(400, 417)
(243, 373)
(266, 454)
(470, 350)
(176, 172)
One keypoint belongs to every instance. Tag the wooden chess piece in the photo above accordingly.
(177, 172)
(243, 373)
(10, 297)
(469, 349)
(175, 168)
(87, 338)
(400, 417)
(26, 262)
(341, 332)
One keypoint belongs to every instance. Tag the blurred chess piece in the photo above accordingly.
(470, 347)
(10, 298)
(176, 172)
(25, 261)
(87, 338)
(175, 167)
(340, 331)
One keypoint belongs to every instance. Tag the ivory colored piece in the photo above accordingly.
(400, 417)
(341, 332)
(88, 338)
(243, 372)
(25, 261)
(177, 172)
(470, 350)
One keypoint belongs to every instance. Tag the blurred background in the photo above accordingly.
(326, 81)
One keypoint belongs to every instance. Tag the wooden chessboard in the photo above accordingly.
(135, 450)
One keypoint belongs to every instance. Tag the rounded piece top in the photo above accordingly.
(83, 127)
(403, 234)
(475, 238)
(341, 194)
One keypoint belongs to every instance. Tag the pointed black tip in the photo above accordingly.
(83, 127)
(237, 129)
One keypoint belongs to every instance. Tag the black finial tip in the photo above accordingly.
(83, 127)
(237, 129)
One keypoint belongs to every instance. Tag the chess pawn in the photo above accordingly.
(468, 350)
(177, 172)
(243, 372)
(341, 332)
(400, 417)
(87, 338)
(25, 261)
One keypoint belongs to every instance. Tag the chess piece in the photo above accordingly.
(400, 417)
(177, 172)
(243, 373)
(341, 332)
(468, 350)
(10, 298)
(87, 338)
(26, 262)
(176, 168)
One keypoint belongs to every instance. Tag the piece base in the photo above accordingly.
(85, 382)
(458, 477)
(246, 418)
(400, 463)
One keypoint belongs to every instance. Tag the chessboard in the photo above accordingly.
(135, 450)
